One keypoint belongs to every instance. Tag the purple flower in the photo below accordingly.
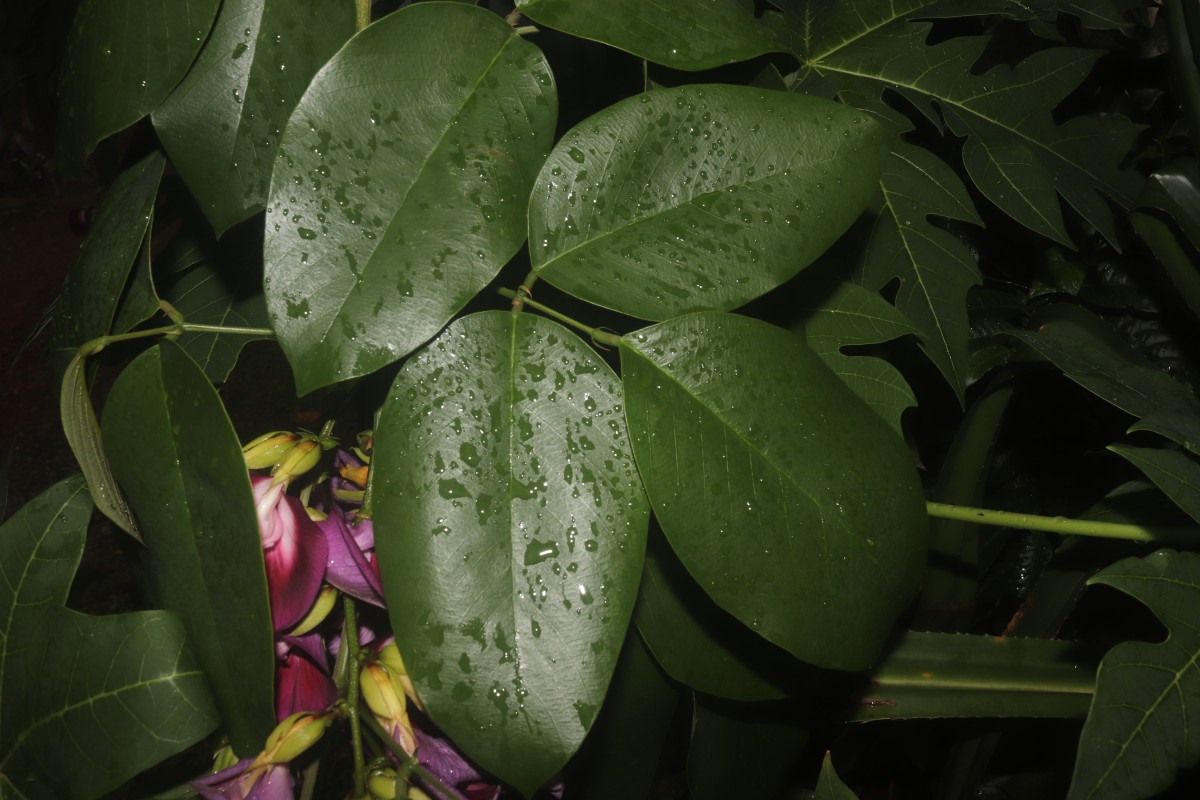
(444, 762)
(351, 566)
(294, 551)
(302, 681)
(247, 780)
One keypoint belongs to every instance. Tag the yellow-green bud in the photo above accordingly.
(416, 794)
(382, 784)
(389, 656)
(305, 455)
(293, 736)
(326, 599)
(267, 450)
(224, 759)
(380, 693)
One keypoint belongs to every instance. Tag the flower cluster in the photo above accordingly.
(313, 555)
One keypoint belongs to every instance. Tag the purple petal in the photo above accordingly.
(348, 567)
(444, 761)
(275, 785)
(302, 682)
(263, 783)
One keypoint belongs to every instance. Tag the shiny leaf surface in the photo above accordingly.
(789, 501)
(829, 785)
(253, 69)
(111, 78)
(1137, 734)
(88, 702)
(176, 454)
(1174, 471)
(683, 34)
(702, 197)
(510, 527)
(393, 202)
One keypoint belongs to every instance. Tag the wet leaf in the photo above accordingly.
(701, 197)
(180, 463)
(123, 58)
(510, 527)
(393, 202)
(683, 34)
(1138, 733)
(88, 702)
(221, 126)
(787, 498)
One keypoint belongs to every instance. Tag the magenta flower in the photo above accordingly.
(294, 551)
(247, 781)
(352, 567)
(444, 762)
(302, 681)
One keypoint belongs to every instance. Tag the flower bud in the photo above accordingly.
(355, 474)
(382, 784)
(224, 759)
(293, 736)
(267, 450)
(389, 656)
(300, 459)
(326, 599)
(385, 697)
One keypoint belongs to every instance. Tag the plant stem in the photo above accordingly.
(362, 14)
(598, 336)
(350, 641)
(1063, 525)
(99, 343)
(410, 764)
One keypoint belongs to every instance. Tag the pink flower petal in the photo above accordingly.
(294, 552)
(350, 569)
(301, 681)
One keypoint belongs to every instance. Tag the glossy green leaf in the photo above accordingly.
(931, 675)
(1140, 728)
(621, 755)
(394, 201)
(787, 498)
(1015, 153)
(683, 34)
(123, 57)
(701, 197)
(742, 749)
(253, 69)
(829, 785)
(180, 463)
(97, 279)
(702, 646)
(935, 268)
(1174, 471)
(82, 431)
(140, 300)
(1180, 427)
(850, 315)
(215, 283)
(510, 527)
(88, 702)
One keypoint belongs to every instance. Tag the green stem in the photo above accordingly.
(362, 14)
(99, 343)
(310, 781)
(409, 764)
(1062, 525)
(350, 641)
(598, 336)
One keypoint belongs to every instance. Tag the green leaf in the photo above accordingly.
(221, 125)
(123, 58)
(393, 202)
(787, 498)
(742, 749)
(829, 785)
(682, 34)
(1139, 731)
(935, 268)
(1173, 471)
(850, 315)
(701, 197)
(1015, 153)
(502, 464)
(88, 702)
(97, 279)
(933, 675)
(621, 755)
(82, 431)
(179, 461)
(1180, 427)
(213, 283)
(140, 301)
(1090, 353)
(702, 646)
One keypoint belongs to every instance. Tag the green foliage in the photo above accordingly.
(394, 202)
(88, 702)
(503, 465)
(1147, 695)
(173, 450)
